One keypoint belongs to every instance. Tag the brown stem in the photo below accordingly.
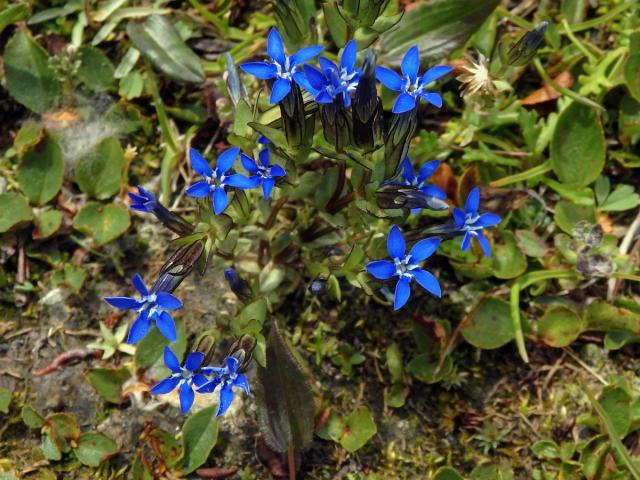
(66, 358)
(291, 457)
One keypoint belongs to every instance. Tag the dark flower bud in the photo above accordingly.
(145, 201)
(297, 130)
(179, 265)
(522, 51)
(366, 106)
(336, 124)
(398, 139)
(238, 285)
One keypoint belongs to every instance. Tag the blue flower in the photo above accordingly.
(262, 172)
(419, 181)
(150, 306)
(411, 86)
(472, 223)
(184, 378)
(143, 201)
(282, 67)
(227, 377)
(406, 267)
(217, 179)
(332, 81)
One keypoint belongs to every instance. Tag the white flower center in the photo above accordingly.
(404, 267)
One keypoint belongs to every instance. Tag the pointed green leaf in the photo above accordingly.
(199, 436)
(14, 211)
(108, 382)
(96, 70)
(359, 428)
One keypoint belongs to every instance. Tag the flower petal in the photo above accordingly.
(199, 190)
(138, 283)
(171, 361)
(123, 303)
(433, 98)
(427, 170)
(428, 281)
(404, 103)
(186, 397)
(241, 381)
(199, 164)
(226, 398)
(305, 54)
(327, 65)
(267, 187)
(139, 328)
(458, 217)
(434, 191)
(408, 174)
(199, 380)
(263, 156)
(466, 242)
(232, 364)
(168, 301)
(210, 386)
(248, 163)
(488, 220)
(434, 73)
(324, 97)
(403, 292)
(381, 269)
(165, 386)
(424, 249)
(275, 47)
(193, 361)
(261, 70)
(279, 90)
(315, 77)
(484, 243)
(302, 80)
(278, 171)
(348, 60)
(226, 159)
(238, 180)
(220, 200)
(473, 201)
(411, 64)
(167, 327)
(395, 243)
(389, 78)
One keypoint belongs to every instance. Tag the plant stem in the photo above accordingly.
(291, 460)
(519, 285)
(522, 176)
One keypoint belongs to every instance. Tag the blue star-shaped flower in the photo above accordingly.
(150, 306)
(472, 223)
(332, 81)
(420, 181)
(227, 377)
(406, 267)
(184, 378)
(282, 67)
(143, 201)
(411, 86)
(217, 179)
(262, 172)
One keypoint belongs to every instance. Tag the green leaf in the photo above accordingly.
(41, 171)
(95, 448)
(29, 135)
(48, 222)
(447, 473)
(108, 382)
(5, 400)
(50, 449)
(31, 417)
(567, 215)
(489, 324)
(507, 260)
(199, 436)
(96, 70)
(338, 27)
(29, 79)
(632, 75)
(560, 326)
(13, 14)
(624, 197)
(578, 146)
(62, 427)
(394, 362)
(603, 316)
(531, 244)
(159, 42)
(104, 223)
(425, 369)
(14, 211)
(546, 449)
(617, 403)
(438, 27)
(99, 171)
(359, 428)
(285, 406)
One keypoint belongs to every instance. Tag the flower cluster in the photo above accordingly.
(204, 379)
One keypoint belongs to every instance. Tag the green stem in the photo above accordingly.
(520, 284)
(522, 176)
(626, 276)
(217, 22)
(613, 435)
(592, 58)
(594, 22)
(163, 119)
(569, 93)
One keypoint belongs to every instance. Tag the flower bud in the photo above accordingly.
(522, 51)
(366, 106)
